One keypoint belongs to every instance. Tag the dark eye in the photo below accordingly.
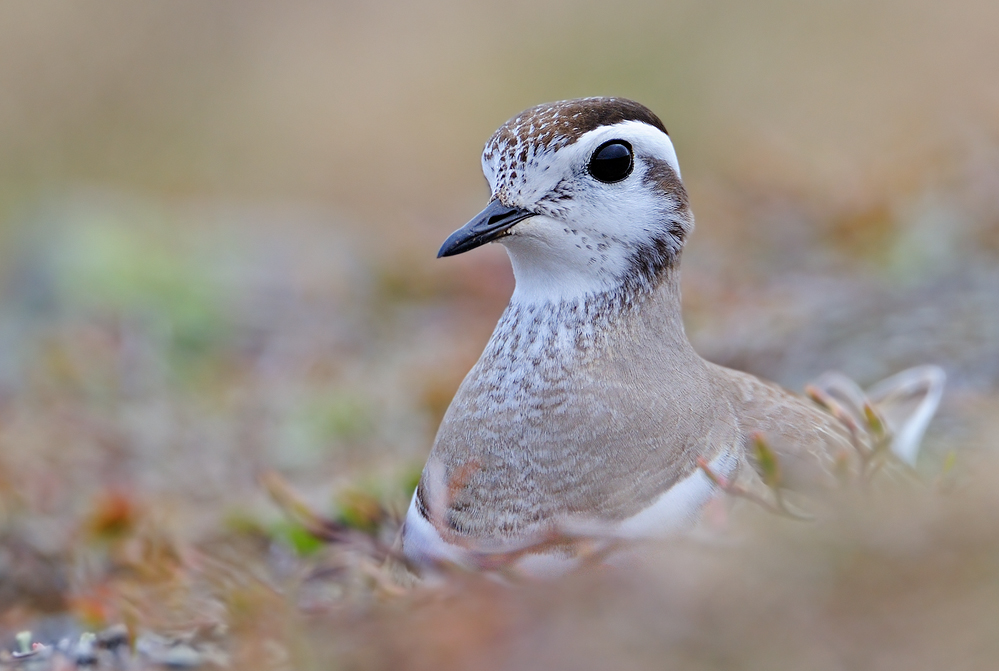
(612, 161)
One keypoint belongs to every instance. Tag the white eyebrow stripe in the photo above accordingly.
(644, 139)
(547, 167)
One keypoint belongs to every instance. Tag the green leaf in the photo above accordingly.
(950, 461)
(767, 461)
(298, 538)
(874, 423)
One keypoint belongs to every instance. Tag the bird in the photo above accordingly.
(589, 410)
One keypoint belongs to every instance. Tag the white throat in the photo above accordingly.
(567, 272)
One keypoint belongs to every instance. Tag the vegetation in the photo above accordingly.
(225, 343)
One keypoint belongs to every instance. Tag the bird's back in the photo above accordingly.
(807, 440)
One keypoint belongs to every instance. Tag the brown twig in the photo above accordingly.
(778, 506)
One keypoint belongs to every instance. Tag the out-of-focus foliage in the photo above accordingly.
(218, 224)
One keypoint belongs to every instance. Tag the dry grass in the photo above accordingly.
(217, 231)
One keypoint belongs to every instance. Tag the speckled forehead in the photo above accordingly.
(554, 125)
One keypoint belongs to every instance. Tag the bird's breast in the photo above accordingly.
(556, 420)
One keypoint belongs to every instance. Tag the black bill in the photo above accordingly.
(487, 225)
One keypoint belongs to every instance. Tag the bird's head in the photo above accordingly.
(586, 197)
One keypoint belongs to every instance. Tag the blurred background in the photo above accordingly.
(219, 222)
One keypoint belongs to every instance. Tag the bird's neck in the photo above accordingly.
(584, 326)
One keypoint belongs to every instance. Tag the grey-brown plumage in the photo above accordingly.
(589, 404)
(603, 425)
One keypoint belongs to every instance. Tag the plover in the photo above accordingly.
(589, 408)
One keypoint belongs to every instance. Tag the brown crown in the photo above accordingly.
(561, 123)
